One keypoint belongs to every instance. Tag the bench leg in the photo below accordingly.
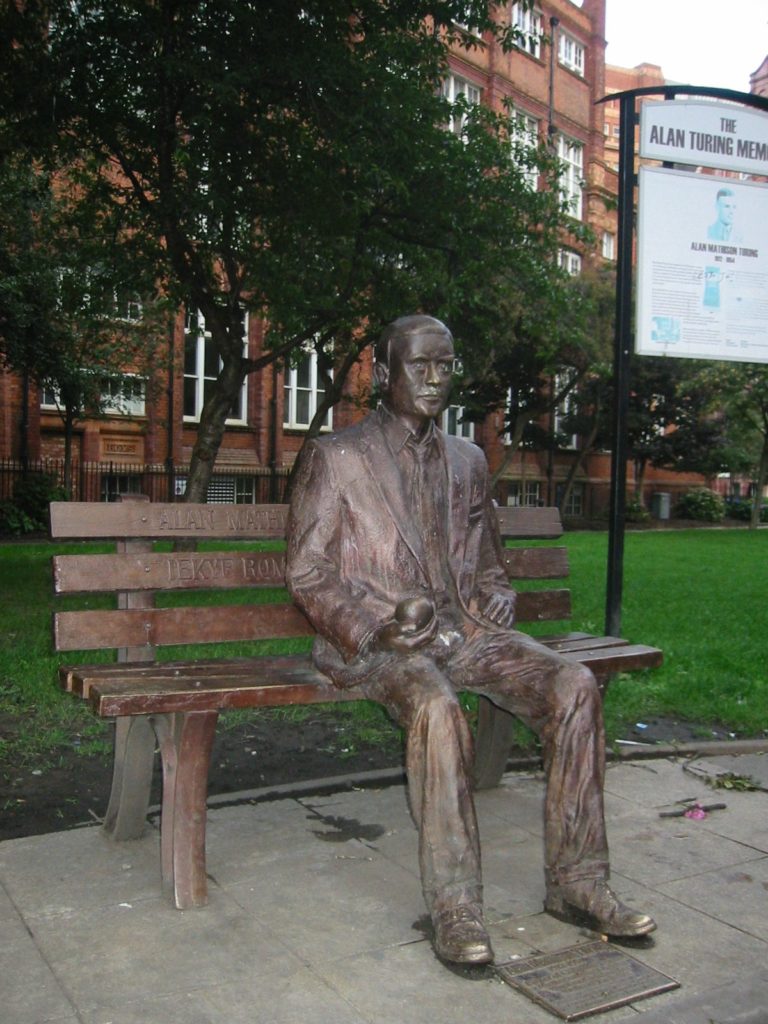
(126, 815)
(493, 741)
(186, 740)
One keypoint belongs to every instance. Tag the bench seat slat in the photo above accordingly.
(272, 681)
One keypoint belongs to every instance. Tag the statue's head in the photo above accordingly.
(414, 368)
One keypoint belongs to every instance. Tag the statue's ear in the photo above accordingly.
(381, 376)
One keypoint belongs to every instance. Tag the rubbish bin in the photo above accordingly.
(661, 504)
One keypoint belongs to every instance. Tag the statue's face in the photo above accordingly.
(418, 382)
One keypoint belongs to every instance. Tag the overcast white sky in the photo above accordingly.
(696, 42)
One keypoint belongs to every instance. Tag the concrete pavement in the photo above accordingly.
(316, 913)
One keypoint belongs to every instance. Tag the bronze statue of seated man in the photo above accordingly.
(395, 558)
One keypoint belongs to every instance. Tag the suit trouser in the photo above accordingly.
(556, 697)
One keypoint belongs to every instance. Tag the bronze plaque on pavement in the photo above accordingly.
(589, 978)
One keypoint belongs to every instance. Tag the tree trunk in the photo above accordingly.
(210, 432)
(69, 431)
(640, 467)
(515, 439)
(578, 462)
(762, 479)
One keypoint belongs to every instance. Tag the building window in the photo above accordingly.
(566, 408)
(119, 396)
(472, 30)
(609, 246)
(123, 396)
(49, 397)
(454, 88)
(452, 422)
(575, 504)
(571, 53)
(128, 307)
(115, 484)
(303, 392)
(525, 137)
(528, 24)
(201, 369)
(527, 493)
(571, 154)
(569, 261)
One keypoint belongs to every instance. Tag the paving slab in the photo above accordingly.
(102, 956)
(751, 766)
(741, 1002)
(45, 875)
(30, 992)
(737, 895)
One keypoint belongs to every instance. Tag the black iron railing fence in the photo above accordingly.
(104, 481)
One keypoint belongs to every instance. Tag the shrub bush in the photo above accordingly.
(701, 504)
(27, 511)
(636, 512)
(741, 508)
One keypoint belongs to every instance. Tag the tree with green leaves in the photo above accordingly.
(68, 306)
(737, 396)
(292, 159)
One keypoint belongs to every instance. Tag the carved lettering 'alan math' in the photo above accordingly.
(238, 519)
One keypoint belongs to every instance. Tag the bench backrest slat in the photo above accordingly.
(161, 627)
(73, 574)
(137, 572)
(83, 520)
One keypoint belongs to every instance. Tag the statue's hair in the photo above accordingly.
(418, 323)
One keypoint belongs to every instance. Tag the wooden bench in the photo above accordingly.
(173, 705)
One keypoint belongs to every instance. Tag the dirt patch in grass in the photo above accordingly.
(73, 788)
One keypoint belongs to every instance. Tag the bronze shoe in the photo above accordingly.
(595, 905)
(460, 936)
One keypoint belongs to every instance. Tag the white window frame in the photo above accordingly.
(452, 422)
(530, 23)
(292, 390)
(525, 131)
(571, 154)
(451, 88)
(571, 53)
(473, 30)
(609, 246)
(570, 261)
(195, 329)
(49, 398)
(563, 409)
(575, 505)
(128, 397)
(525, 494)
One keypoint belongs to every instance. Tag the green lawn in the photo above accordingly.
(700, 595)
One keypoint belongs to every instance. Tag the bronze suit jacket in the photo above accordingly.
(353, 551)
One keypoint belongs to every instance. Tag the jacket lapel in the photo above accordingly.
(459, 498)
